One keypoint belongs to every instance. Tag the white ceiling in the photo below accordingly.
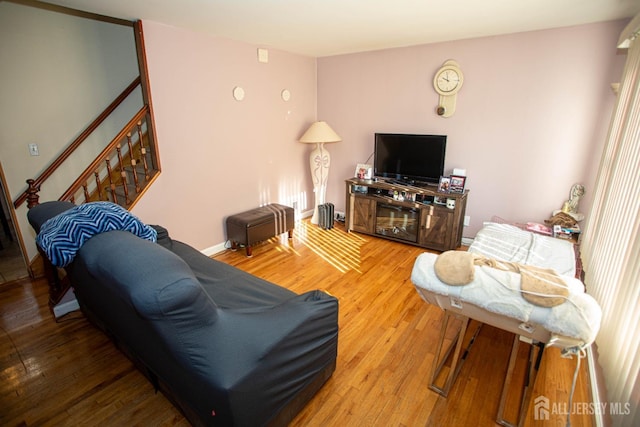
(330, 27)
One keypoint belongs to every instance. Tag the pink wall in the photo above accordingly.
(220, 156)
(530, 122)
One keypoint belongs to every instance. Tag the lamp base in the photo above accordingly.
(314, 217)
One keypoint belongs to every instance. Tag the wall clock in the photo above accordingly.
(447, 82)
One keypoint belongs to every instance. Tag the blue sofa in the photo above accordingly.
(226, 347)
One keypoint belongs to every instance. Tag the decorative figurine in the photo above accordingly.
(571, 206)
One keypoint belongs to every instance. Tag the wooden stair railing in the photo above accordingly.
(135, 175)
(115, 170)
(107, 177)
(35, 184)
(120, 173)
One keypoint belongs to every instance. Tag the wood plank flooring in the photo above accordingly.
(68, 373)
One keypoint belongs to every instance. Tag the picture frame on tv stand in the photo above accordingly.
(363, 171)
(457, 184)
(445, 184)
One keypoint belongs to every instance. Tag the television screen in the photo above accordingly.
(413, 159)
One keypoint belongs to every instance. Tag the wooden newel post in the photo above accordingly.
(32, 194)
(56, 285)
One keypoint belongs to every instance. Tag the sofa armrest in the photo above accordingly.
(252, 362)
(43, 212)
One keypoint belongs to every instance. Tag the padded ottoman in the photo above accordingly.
(259, 224)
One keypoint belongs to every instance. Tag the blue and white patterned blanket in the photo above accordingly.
(62, 236)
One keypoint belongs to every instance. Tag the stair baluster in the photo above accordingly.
(123, 174)
(143, 152)
(133, 163)
(112, 186)
(98, 185)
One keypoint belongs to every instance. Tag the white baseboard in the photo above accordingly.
(212, 250)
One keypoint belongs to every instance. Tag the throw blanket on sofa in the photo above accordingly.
(62, 236)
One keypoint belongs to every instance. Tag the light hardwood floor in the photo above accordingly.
(69, 373)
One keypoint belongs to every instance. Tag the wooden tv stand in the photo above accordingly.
(405, 213)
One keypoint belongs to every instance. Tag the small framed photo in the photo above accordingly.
(445, 184)
(457, 183)
(364, 171)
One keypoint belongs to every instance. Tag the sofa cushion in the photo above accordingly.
(63, 235)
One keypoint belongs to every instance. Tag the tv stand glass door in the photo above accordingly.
(399, 222)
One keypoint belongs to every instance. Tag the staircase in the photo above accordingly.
(120, 173)
(124, 169)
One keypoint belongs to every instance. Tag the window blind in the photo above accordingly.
(611, 246)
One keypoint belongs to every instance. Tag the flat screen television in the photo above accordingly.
(409, 158)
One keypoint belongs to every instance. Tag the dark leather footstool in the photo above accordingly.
(259, 224)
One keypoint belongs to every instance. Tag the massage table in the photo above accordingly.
(494, 298)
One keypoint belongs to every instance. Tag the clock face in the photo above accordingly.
(448, 81)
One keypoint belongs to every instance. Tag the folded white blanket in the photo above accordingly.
(509, 243)
(498, 291)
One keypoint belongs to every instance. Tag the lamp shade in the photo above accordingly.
(318, 133)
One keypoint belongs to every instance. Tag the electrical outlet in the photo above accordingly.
(467, 220)
(33, 150)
